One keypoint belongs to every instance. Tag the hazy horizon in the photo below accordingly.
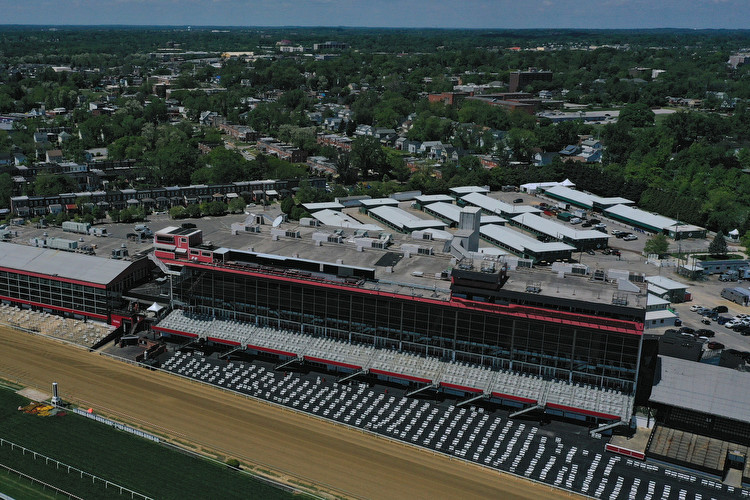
(442, 14)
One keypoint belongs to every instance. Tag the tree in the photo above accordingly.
(237, 205)
(718, 246)
(177, 212)
(48, 184)
(6, 190)
(657, 244)
(636, 115)
(368, 156)
(287, 204)
(347, 175)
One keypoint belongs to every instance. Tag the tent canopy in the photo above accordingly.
(155, 307)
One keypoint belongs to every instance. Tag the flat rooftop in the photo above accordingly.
(701, 387)
(61, 264)
(416, 275)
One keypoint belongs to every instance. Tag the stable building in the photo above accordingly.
(654, 223)
(496, 207)
(549, 229)
(525, 246)
(668, 289)
(587, 201)
(451, 214)
(403, 221)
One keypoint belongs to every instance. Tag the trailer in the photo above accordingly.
(737, 295)
(62, 244)
(76, 227)
(98, 231)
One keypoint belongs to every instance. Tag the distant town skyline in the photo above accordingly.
(500, 14)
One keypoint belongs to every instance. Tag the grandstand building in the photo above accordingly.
(72, 284)
(490, 337)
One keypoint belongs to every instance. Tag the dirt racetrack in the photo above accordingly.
(349, 462)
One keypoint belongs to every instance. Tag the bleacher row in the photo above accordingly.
(457, 375)
(572, 462)
(52, 325)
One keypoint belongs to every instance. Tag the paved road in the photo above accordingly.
(358, 464)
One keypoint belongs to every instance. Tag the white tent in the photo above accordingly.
(155, 308)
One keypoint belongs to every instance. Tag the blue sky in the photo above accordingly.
(386, 13)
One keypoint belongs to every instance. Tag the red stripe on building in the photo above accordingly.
(175, 332)
(461, 387)
(513, 398)
(400, 376)
(272, 351)
(526, 312)
(583, 412)
(55, 308)
(334, 363)
(624, 451)
(53, 278)
(223, 341)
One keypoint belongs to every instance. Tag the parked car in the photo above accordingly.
(630, 237)
(715, 345)
(586, 224)
(695, 307)
(704, 332)
(706, 321)
(607, 251)
(518, 200)
(616, 232)
(678, 322)
(594, 221)
(720, 309)
(576, 220)
(686, 329)
(731, 323)
(722, 319)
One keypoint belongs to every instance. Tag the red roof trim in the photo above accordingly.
(53, 278)
(55, 308)
(400, 375)
(460, 387)
(582, 411)
(176, 332)
(272, 351)
(528, 312)
(513, 398)
(223, 341)
(624, 451)
(334, 363)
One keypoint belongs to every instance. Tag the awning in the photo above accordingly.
(155, 307)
